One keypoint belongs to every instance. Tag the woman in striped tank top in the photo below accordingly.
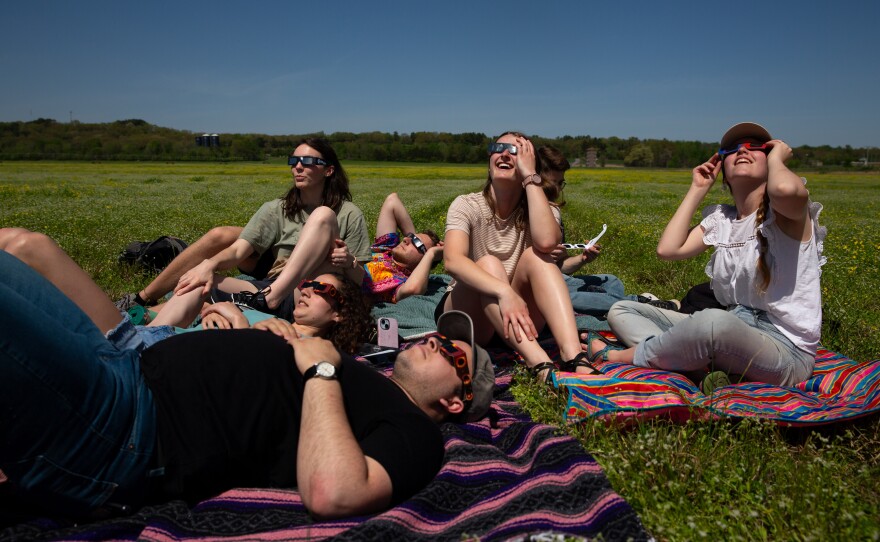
(498, 248)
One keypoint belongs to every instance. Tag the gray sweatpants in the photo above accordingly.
(737, 341)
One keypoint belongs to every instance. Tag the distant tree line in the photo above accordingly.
(136, 139)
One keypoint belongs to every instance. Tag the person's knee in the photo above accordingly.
(8, 235)
(391, 199)
(723, 323)
(493, 266)
(530, 256)
(620, 310)
(27, 245)
(322, 216)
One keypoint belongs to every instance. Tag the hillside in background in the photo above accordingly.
(136, 139)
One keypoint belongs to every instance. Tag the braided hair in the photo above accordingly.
(763, 245)
(763, 267)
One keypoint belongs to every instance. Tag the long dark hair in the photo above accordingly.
(336, 189)
(522, 220)
(355, 323)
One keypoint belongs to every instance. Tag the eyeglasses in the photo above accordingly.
(748, 146)
(585, 246)
(562, 184)
(458, 359)
(498, 148)
(321, 288)
(293, 160)
(420, 246)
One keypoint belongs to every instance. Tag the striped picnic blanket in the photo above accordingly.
(503, 477)
(840, 389)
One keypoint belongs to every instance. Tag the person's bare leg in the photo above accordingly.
(210, 244)
(309, 255)
(537, 273)
(8, 234)
(43, 254)
(393, 216)
(180, 310)
(486, 315)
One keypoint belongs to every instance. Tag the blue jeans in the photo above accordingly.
(77, 421)
(739, 341)
(594, 294)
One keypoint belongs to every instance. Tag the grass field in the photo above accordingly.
(708, 480)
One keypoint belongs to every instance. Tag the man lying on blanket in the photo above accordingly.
(87, 426)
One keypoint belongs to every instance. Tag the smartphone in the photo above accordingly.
(387, 332)
(377, 354)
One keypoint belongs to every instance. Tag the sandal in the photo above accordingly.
(534, 371)
(600, 355)
(581, 360)
(593, 335)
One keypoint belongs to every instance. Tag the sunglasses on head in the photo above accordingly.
(498, 148)
(458, 359)
(293, 160)
(420, 246)
(748, 146)
(321, 288)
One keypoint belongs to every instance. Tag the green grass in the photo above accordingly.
(708, 480)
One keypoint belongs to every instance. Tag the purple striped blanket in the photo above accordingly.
(503, 477)
(840, 389)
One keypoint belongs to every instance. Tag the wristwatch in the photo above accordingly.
(534, 178)
(322, 369)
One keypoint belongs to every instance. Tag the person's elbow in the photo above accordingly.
(665, 253)
(453, 263)
(545, 246)
(327, 499)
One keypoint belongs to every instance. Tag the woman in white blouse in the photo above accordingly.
(765, 269)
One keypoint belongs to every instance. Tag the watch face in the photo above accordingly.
(326, 370)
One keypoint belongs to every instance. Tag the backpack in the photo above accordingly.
(698, 298)
(152, 255)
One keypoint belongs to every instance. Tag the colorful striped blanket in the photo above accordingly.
(504, 477)
(840, 389)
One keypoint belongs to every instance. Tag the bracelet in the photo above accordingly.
(528, 180)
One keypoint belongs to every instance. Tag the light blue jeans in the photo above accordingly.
(595, 294)
(739, 341)
(77, 421)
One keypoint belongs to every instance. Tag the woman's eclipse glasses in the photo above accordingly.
(498, 148)
(305, 160)
(321, 288)
(748, 146)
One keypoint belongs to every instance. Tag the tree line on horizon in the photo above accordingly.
(136, 139)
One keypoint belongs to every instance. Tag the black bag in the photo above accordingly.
(698, 298)
(152, 255)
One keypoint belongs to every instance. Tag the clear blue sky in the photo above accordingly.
(679, 70)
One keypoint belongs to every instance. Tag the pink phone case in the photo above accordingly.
(387, 332)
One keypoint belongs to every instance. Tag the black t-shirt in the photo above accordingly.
(228, 412)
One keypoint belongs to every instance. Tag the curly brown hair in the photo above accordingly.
(355, 323)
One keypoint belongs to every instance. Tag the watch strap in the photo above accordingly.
(312, 372)
(534, 178)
